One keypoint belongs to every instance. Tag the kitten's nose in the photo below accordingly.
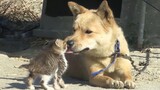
(70, 43)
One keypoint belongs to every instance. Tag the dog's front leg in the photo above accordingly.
(105, 81)
(102, 80)
(128, 82)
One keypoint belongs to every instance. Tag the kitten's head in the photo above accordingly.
(57, 46)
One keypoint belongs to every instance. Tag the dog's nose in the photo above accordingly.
(70, 43)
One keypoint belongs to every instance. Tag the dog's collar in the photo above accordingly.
(114, 55)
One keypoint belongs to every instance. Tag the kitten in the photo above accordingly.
(50, 63)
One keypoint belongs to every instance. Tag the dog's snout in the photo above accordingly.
(70, 43)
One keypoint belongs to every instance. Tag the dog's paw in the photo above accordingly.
(115, 84)
(118, 84)
(129, 84)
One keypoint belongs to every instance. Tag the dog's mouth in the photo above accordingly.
(69, 50)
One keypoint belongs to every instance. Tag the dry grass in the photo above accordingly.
(17, 10)
(18, 14)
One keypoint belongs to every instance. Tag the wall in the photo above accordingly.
(152, 24)
(57, 23)
(130, 19)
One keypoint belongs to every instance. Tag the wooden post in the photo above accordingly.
(142, 24)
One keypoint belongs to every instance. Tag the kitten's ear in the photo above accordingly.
(57, 42)
(76, 8)
(48, 44)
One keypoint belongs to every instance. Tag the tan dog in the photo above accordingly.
(94, 37)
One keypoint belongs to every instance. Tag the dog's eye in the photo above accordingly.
(88, 31)
(74, 30)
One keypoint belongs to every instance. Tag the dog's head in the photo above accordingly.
(93, 29)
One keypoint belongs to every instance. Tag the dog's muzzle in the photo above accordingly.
(70, 43)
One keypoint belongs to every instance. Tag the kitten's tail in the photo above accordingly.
(24, 66)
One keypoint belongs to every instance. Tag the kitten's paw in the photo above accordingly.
(129, 84)
(56, 87)
(115, 84)
(50, 88)
(31, 87)
(64, 86)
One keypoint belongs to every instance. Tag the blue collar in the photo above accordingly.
(116, 51)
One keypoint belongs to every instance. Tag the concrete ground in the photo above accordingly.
(11, 76)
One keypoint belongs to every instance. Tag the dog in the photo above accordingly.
(95, 33)
(48, 64)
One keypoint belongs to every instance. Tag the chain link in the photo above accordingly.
(145, 64)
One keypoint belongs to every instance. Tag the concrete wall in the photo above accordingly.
(152, 24)
(130, 18)
(53, 27)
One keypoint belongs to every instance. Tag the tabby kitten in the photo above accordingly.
(50, 63)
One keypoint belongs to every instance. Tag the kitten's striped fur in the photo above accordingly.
(50, 63)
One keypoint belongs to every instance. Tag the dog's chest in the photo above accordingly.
(105, 63)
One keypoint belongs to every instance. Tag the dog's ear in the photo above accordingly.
(75, 8)
(104, 10)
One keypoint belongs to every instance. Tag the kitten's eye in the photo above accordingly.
(88, 31)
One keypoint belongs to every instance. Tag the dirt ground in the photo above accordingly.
(11, 76)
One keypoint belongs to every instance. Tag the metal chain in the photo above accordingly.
(145, 64)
